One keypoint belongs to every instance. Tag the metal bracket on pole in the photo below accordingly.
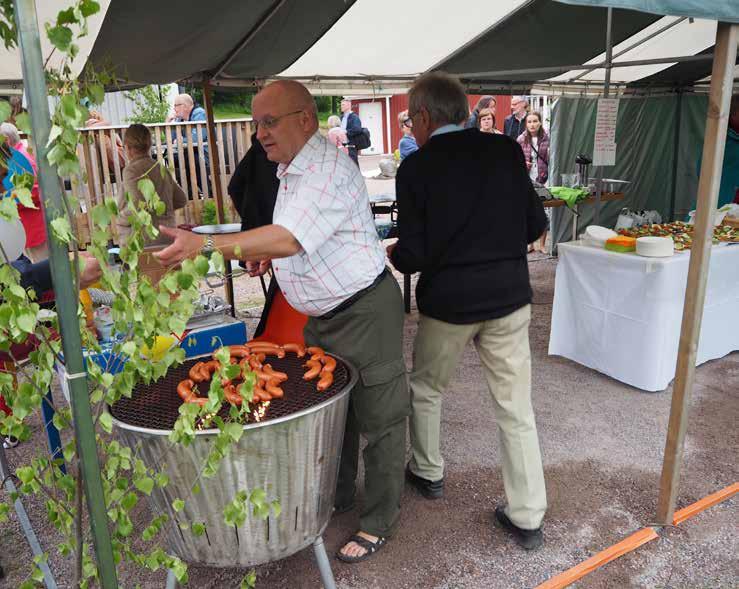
(10, 488)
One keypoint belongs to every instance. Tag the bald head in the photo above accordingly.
(286, 117)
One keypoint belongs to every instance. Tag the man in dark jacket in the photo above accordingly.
(467, 211)
(351, 123)
(515, 123)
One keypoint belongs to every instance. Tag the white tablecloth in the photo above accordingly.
(621, 313)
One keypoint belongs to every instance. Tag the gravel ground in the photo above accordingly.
(602, 443)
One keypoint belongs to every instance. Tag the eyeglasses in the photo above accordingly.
(269, 122)
(408, 122)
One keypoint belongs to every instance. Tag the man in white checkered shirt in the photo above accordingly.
(330, 265)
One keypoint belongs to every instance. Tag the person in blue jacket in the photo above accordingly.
(407, 144)
(185, 110)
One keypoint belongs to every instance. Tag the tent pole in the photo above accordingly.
(675, 153)
(700, 257)
(215, 159)
(606, 92)
(633, 46)
(66, 295)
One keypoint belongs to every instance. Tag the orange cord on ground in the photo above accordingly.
(598, 560)
(634, 541)
(702, 504)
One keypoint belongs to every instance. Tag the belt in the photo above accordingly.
(355, 297)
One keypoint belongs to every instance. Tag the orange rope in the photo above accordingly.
(598, 560)
(703, 504)
(634, 541)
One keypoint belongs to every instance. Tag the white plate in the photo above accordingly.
(655, 247)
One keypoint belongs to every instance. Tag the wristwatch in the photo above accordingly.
(209, 245)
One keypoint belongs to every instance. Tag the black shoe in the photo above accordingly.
(529, 539)
(429, 489)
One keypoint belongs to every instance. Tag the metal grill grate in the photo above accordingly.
(156, 405)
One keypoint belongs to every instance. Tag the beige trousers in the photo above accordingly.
(503, 347)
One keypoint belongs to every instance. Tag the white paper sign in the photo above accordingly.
(604, 147)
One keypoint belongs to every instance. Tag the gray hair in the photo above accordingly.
(334, 121)
(520, 99)
(10, 131)
(187, 98)
(442, 95)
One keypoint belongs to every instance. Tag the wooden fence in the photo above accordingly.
(102, 165)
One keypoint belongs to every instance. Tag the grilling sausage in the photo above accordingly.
(184, 390)
(232, 394)
(326, 380)
(273, 389)
(261, 395)
(314, 369)
(280, 376)
(299, 349)
(329, 364)
(195, 374)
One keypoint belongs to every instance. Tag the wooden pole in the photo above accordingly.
(215, 169)
(700, 256)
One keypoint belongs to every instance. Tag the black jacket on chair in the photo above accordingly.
(466, 214)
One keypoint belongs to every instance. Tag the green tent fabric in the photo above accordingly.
(721, 10)
(647, 154)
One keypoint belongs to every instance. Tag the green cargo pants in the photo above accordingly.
(369, 334)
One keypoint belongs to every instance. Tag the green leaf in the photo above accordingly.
(66, 17)
(145, 485)
(26, 320)
(234, 431)
(88, 8)
(24, 197)
(96, 92)
(62, 230)
(5, 110)
(249, 581)
(106, 422)
(55, 132)
(23, 122)
(178, 505)
(60, 36)
(276, 507)
(198, 529)
(147, 189)
(201, 265)
(184, 281)
(129, 501)
(257, 497)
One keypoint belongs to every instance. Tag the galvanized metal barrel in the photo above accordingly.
(293, 457)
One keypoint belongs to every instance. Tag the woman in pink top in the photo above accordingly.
(337, 135)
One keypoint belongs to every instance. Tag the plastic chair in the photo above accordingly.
(284, 324)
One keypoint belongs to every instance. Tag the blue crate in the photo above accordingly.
(208, 339)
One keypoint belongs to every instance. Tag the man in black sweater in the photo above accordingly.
(467, 211)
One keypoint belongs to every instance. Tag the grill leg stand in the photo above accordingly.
(6, 482)
(327, 575)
